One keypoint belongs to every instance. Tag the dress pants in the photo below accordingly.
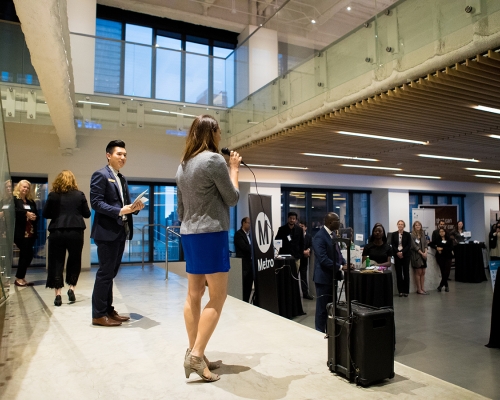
(445, 267)
(110, 256)
(60, 241)
(247, 275)
(304, 278)
(324, 295)
(402, 274)
(26, 253)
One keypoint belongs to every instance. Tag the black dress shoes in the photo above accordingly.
(105, 321)
(308, 297)
(58, 301)
(71, 295)
(115, 316)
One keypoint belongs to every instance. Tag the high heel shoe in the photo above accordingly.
(211, 365)
(71, 295)
(198, 365)
(57, 301)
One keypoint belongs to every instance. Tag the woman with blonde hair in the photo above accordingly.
(25, 232)
(66, 207)
(205, 191)
(419, 255)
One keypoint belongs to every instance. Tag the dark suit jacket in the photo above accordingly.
(327, 258)
(105, 199)
(20, 225)
(295, 247)
(436, 238)
(66, 210)
(243, 248)
(405, 242)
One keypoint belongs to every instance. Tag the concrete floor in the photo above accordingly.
(50, 352)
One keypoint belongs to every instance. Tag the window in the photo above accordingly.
(138, 61)
(108, 57)
(312, 205)
(168, 68)
(417, 199)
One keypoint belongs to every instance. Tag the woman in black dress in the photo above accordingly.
(66, 207)
(401, 248)
(377, 249)
(25, 229)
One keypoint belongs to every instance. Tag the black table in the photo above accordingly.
(469, 264)
(372, 288)
(287, 285)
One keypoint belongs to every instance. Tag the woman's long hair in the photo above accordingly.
(18, 188)
(414, 231)
(64, 182)
(201, 137)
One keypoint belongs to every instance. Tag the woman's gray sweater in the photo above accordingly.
(204, 194)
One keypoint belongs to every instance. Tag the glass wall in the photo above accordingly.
(159, 213)
(312, 205)
(7, 216)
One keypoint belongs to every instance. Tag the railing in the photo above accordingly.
(168, 229)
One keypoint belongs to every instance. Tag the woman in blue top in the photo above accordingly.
(205, 191)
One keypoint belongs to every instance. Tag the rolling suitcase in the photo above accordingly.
(364, 351)
(360, 338)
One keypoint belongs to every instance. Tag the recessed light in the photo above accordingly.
(488, 109)
(383, 137)
(448, 158)
(370, 167)
(488, 176)
(495, 136)
(344, 157)
(418, 176)
(349, 8)
(495, 171)
(313, 21)
(274, 166)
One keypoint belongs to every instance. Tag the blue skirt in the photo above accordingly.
(206, 253)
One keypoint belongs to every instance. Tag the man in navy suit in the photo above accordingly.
(327, 261)
(110, 198)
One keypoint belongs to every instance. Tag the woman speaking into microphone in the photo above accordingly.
(206, 188)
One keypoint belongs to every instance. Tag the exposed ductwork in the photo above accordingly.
(45, 27)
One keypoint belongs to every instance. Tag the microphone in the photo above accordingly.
(227, 152)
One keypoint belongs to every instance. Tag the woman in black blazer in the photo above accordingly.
(66, 207)
(401, 248)
(25, 232)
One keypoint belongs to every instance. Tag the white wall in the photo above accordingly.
(81, 19)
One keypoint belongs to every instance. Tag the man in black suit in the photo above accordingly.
(292, 238)
(243, 245)
(304, 262)
(327, 261)
(110, 199)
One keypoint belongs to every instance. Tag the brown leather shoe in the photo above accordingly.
(120, 318)
(105, 321)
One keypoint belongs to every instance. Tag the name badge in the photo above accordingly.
(443, 241)
(400, 248)
(289, 238)
(5, 207)
(417, 241)
(27, 206)
(111, 180)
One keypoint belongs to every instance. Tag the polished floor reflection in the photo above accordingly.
(53, 352)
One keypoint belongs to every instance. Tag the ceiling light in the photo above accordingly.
(448, 158)
(173, 112)
(495, 136)
(488, 176)
(344, 157)
(93, 102)
(313, 21)
(495, 171)
(369, 167)
(382, 137)
(349, 8)
(488, 109)
(274, 166)
(419, 176)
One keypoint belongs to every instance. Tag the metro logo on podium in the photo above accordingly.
(263, 252)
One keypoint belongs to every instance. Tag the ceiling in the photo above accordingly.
(436, 109)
